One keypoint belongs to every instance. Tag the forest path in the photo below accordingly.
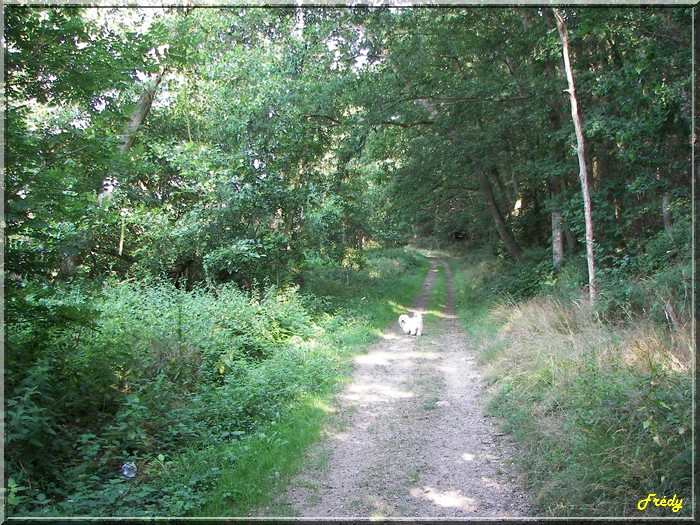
(413, 439)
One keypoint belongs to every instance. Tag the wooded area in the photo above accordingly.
(157, 156)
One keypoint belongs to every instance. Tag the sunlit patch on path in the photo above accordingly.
(452, 498)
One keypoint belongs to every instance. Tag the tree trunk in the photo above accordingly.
(508, 205)
(497, 216)
(557, 239)
(138, 117)
(580, 151)
(516, 185)
(666, 211)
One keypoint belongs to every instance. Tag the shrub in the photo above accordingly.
(524, 279)
(149, 368)
(332, 283)
(143, 371)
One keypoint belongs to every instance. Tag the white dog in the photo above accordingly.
(411, 325)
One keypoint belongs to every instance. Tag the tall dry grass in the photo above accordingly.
(603, 414)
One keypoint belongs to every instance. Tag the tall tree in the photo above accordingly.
(580, 151)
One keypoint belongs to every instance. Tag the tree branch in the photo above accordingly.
(335, 121)
(55, 160)
(406, 124)
(425, 99)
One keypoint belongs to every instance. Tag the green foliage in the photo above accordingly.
(267, 145)
(62, 143)
(335, 283)
(177, 381)
(525, 279)
(652, 282)
(150, 376)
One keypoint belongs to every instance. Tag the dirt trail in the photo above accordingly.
(415, 440)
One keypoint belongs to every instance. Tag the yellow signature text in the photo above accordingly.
(675, 503)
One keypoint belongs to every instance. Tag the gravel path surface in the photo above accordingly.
(413, 439)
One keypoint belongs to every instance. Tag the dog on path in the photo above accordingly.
(411, 325)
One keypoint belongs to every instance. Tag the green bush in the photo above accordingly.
(150, 369)
(524, 279)
(654, 282)
(326, 280)
(143, 371)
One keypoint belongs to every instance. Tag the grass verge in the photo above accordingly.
(265, 461)
(602, 414)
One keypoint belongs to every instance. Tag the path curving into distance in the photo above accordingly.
(415, 441)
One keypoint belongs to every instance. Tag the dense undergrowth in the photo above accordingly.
(599, 398)
(211, 393)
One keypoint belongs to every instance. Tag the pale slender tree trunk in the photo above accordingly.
(666, 211)
(580, 150)
(557, 218)
(138, 117)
